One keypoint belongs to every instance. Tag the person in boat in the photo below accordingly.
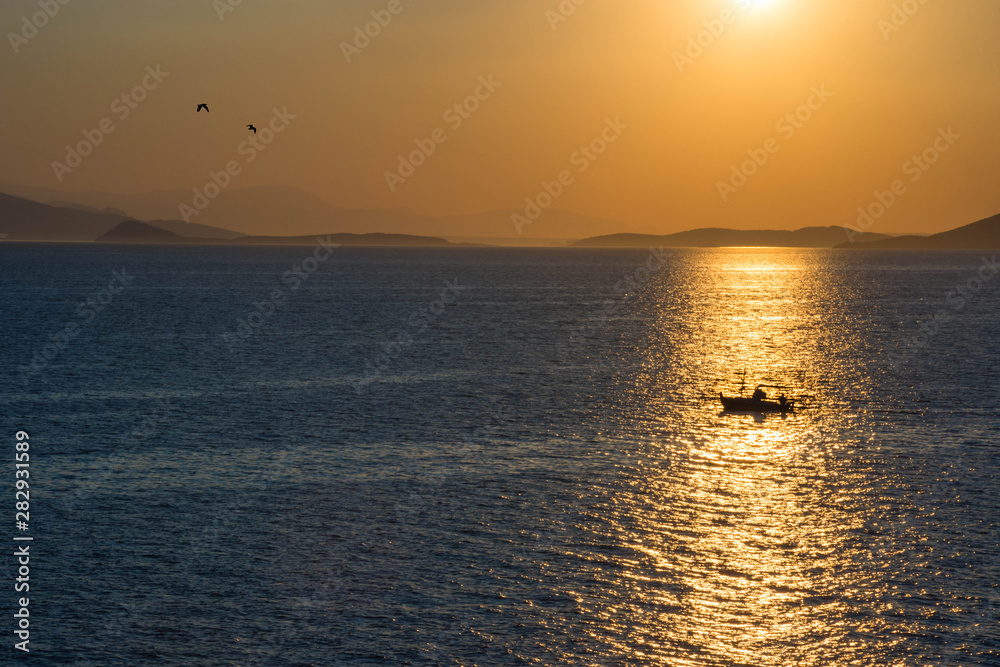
(759, 395)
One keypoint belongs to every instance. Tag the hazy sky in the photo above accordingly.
(886, 96)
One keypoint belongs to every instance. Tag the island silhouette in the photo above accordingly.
(22, 219)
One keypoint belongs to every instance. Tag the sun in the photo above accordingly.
(755, 4)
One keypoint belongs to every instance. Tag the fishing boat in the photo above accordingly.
(742, 404)
(758, 402)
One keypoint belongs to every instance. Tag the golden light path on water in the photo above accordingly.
(743, 530)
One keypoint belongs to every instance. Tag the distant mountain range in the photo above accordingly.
(981, 235)
(25, 220)
(133, 231)
(22, 219)
(807, 237)
(984, 234)
(261, 210)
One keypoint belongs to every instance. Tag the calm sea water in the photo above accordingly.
(498, 457)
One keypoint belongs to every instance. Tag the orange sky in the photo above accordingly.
(560, 82)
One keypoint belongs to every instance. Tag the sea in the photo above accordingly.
(487, 456)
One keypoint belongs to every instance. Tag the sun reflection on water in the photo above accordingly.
(739, 544)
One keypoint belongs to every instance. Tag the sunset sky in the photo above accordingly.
(888, 95)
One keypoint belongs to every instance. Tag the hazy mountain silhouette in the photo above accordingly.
(25, 220)
(80, 207)
(148, 206)
(265, 211)
(807, 237)
(133, 231)
(981, 235)
(346, 239)
(260, 212)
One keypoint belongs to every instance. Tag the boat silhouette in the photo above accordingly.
(757, 402)
(743, 404)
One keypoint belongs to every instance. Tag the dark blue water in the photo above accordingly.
(244, 456)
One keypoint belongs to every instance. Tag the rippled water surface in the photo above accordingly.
(493, 457)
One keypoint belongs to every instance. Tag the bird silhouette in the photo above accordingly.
(203, 106)
(251, 127)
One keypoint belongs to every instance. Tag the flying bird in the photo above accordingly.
(251, 127)
(203, 106)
